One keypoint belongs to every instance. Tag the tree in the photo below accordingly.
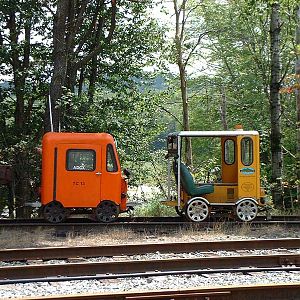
(20, 96)
(187, 40)
(59, 58)
(180, 13)
(91, 39)
(297, 71)
(70, 41)
(275, 105)
(126, 39)
(237, 44)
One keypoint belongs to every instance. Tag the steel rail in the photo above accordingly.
(63, 228)
(143, 266)
(60, 278)
(245, 292)
(139, 220)
(134, 249)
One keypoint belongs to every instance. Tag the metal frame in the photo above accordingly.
(214, 133)
(181, 134)
(178, 170)
(169, 178)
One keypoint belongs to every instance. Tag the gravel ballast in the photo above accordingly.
(149, 283)
(44, 239)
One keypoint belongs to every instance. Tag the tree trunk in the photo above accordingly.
(59, 64)
(10, 200)
(17, 71)
(2, 116)
(68, 55)
(223, 109)
(80, 82)
(20, 68)
(275, 107)
(92, 80)
(183, 80)
(297, 71)
(22, 183)
(185, 108)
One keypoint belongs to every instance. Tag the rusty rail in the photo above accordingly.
(86, 220)
(149, 267)
(246, 292)
(141, 224)
(133, 249)
(63, 229)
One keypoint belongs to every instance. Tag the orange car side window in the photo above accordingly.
(81, 160)
(247, 151)
(111, 162)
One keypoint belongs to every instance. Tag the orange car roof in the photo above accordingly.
(76, 138)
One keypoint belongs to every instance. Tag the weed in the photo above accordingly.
(154, 208)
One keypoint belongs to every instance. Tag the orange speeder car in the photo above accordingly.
(81, 171)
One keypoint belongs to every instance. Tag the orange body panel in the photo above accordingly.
(75, 170)
(249, 184)
(238, 180)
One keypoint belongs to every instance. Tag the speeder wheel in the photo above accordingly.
(197, 210)
(107, 211)
(54, 212)
(246, 210)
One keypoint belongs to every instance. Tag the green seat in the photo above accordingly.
(189, 186)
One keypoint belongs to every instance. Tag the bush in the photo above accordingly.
(154, 208)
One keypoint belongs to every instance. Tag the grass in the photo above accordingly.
(220, 231)
(286, 212)
(154, 208)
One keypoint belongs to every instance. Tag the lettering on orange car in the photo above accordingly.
(79, 183)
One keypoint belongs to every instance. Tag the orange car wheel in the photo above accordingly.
(107, 211)
(54, 212)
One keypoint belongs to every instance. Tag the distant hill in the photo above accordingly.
(4, 85)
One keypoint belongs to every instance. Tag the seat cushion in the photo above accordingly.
(189, 186)
(201, 190)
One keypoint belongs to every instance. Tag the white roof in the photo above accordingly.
(214, 133)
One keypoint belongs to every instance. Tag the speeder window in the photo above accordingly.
(81, 160)
(229, 152)
(111, 162)
(247, 151)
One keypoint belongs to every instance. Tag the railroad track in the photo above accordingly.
(124, 267)
(122, 264)
(249, 292)
(88, 219)
(146, 268)
(8, 255)
(143, 224)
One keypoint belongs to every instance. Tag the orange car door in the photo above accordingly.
(78, 175)
(248, 169)
(111, 179)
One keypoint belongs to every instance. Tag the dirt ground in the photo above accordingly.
(49, 238)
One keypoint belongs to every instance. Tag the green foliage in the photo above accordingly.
(236, 51)
(123, 104)
(134, 106)
(154, 208)
(238, 44)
